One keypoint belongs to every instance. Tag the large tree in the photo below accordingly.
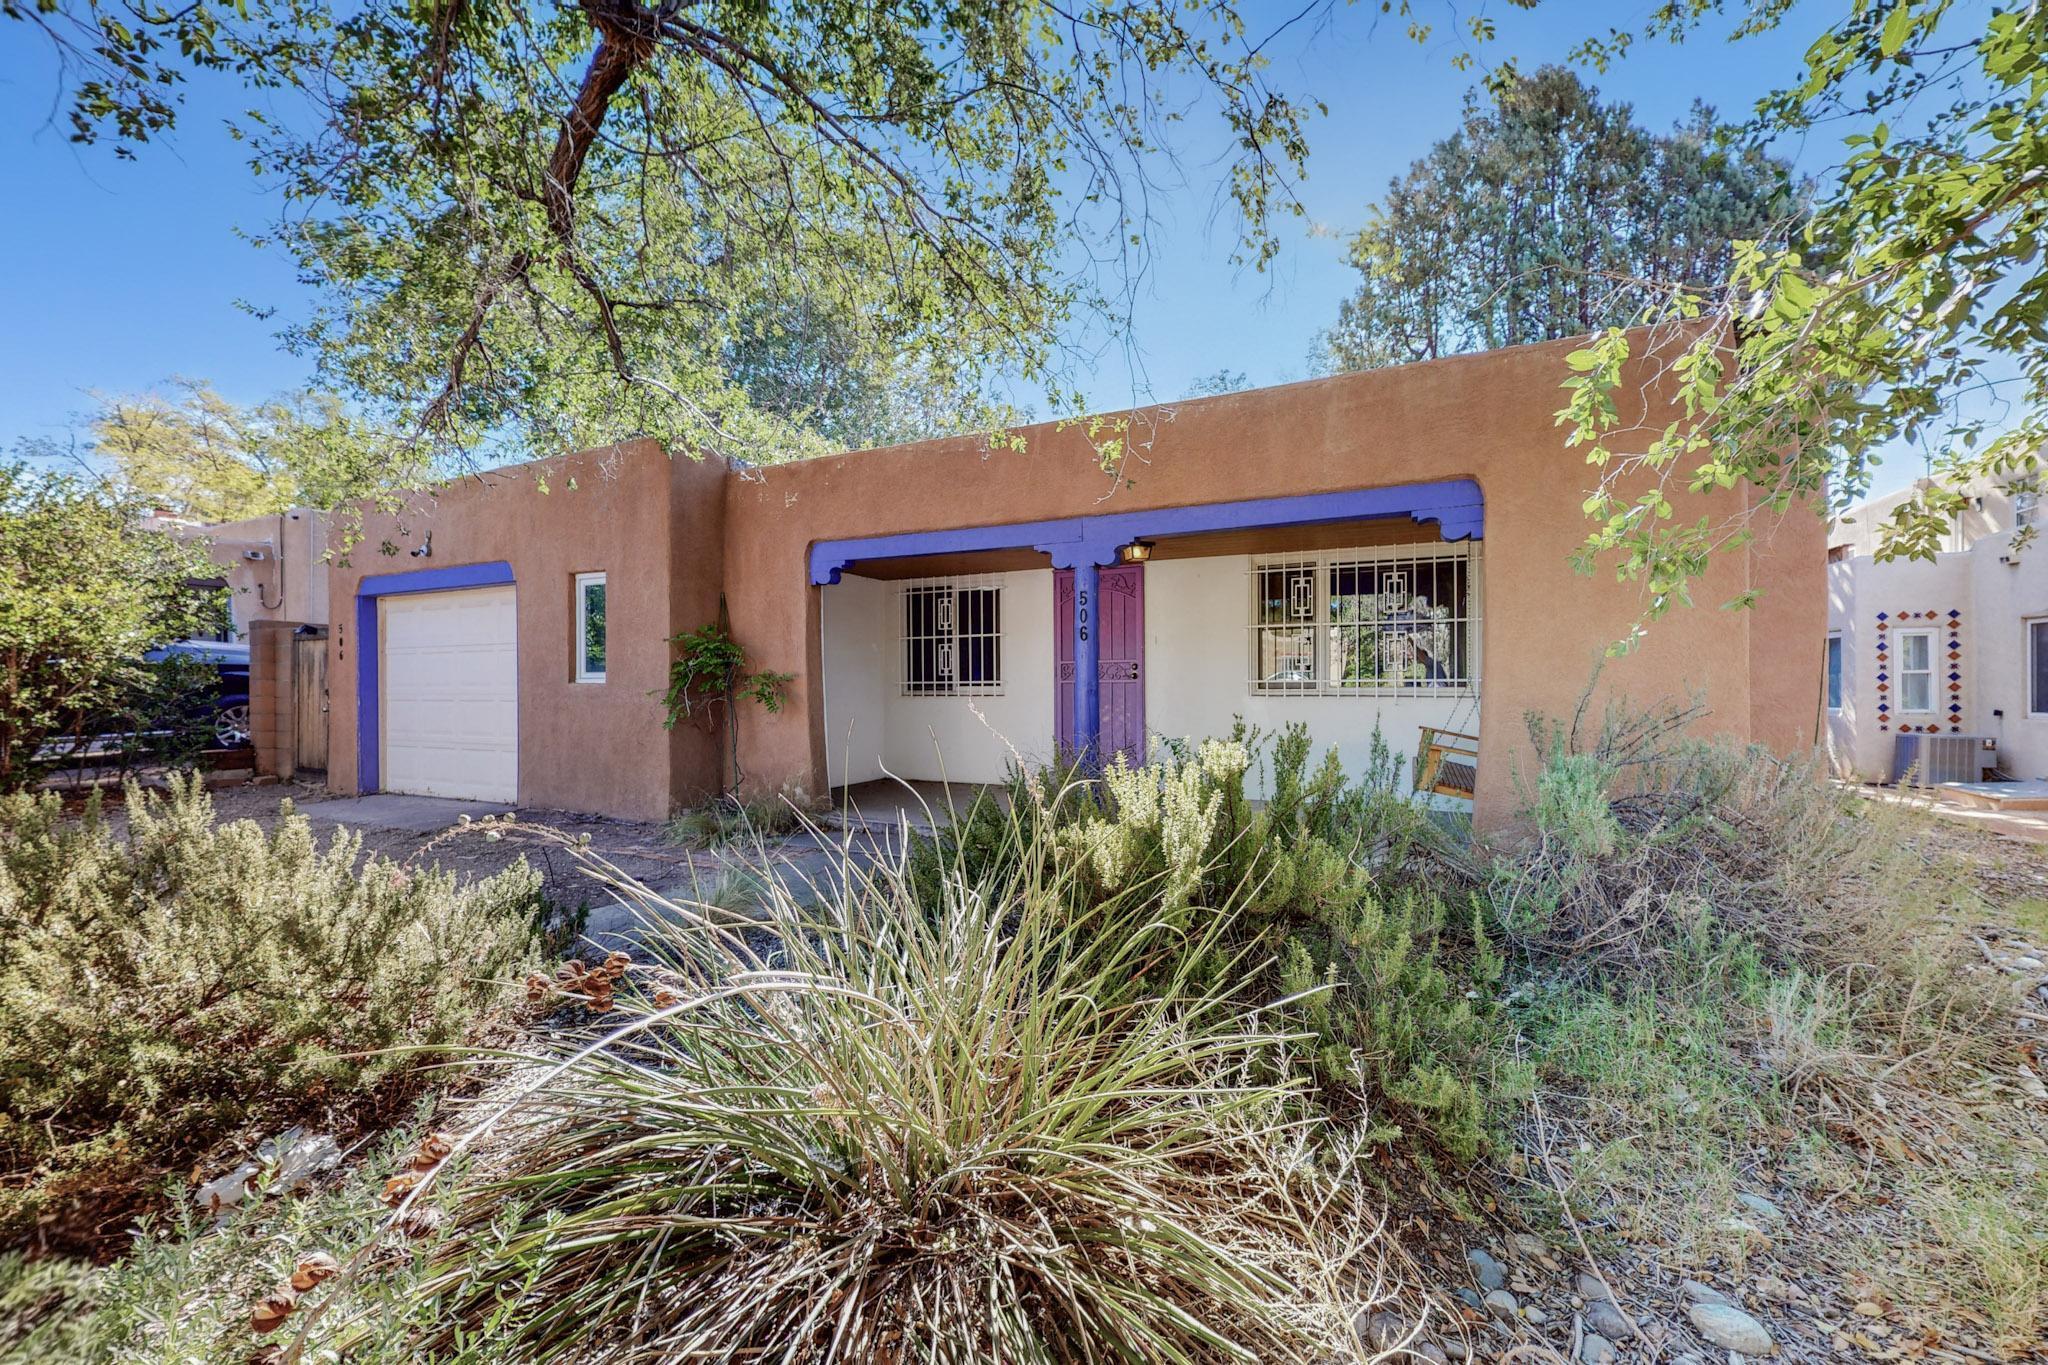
(187, 450)
(556, 223)
(1548, 214)
(1912, 309)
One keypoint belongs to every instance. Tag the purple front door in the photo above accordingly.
(1120, 622)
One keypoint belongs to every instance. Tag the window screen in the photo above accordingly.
(1370, 621)
(590, 634)
(2037, 658)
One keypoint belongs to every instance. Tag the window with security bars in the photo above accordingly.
(1379, 622)
(952, 638)
(1284, 626)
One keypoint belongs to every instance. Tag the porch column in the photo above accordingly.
(1087, 660)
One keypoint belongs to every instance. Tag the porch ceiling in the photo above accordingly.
(1266, 540)
(1361, 533)
(949, 565)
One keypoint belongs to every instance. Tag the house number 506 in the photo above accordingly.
(1081, 615)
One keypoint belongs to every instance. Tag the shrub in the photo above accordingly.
(87, 592)
(1810, 924)
(1342, 886)
(46, 1311)
(166, 991)
(1395, 985)
(1647, 845)
(186, 1290)
(1004, 1131)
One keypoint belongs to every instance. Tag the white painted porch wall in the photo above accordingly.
(855, 651)
(870, 724)
(1197, 665)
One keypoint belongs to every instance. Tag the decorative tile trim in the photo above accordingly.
(1950, 623)
(1955, 672)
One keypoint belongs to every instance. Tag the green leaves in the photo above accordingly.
(725, 226)
(1897, 28)
(1912, 308)
(1550, 214)
(84, 591)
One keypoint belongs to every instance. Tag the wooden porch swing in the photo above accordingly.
(1450, 763)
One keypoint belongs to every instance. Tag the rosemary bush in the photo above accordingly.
(1354, 901)
(191, 981)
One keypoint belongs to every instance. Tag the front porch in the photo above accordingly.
(949, 656)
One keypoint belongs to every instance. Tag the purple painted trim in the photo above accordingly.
(372, 587)
(1456, 505)
(1088, 663)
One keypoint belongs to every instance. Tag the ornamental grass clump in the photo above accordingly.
(193, 982)
(1000, 1132)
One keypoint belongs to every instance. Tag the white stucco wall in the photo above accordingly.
(1858, 589)
(870, 726)
(855, 640)
(1197, 614)
(2007, 596)
(1197, 664)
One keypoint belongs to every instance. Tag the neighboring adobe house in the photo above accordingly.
(1378, 549)
(275, 567)
(1955, 648)
(274, 571)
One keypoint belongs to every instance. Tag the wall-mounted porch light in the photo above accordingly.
(1137, 552)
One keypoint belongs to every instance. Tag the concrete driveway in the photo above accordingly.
(389, 810)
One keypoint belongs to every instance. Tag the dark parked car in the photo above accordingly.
(228, 706)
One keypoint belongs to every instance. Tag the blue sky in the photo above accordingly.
(122, 274)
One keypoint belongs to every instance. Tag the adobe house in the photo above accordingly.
(1937, 669)
(1381, 550)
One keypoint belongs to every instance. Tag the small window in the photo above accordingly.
(1834, 672)
(1916, 670)
(2026, 507)
(2037, 668)
(952, 638)
(590, 627)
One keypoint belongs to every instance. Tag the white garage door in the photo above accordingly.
(449, 679)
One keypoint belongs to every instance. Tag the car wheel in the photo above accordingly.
(231, 726)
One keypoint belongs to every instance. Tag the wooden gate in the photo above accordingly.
(309, 699)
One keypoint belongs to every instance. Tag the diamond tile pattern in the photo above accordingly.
(1952, 622)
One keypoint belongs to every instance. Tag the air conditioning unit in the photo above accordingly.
(1930, 760)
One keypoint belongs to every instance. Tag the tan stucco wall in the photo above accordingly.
(652, 526)
(1488, 417)
(289, 583)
